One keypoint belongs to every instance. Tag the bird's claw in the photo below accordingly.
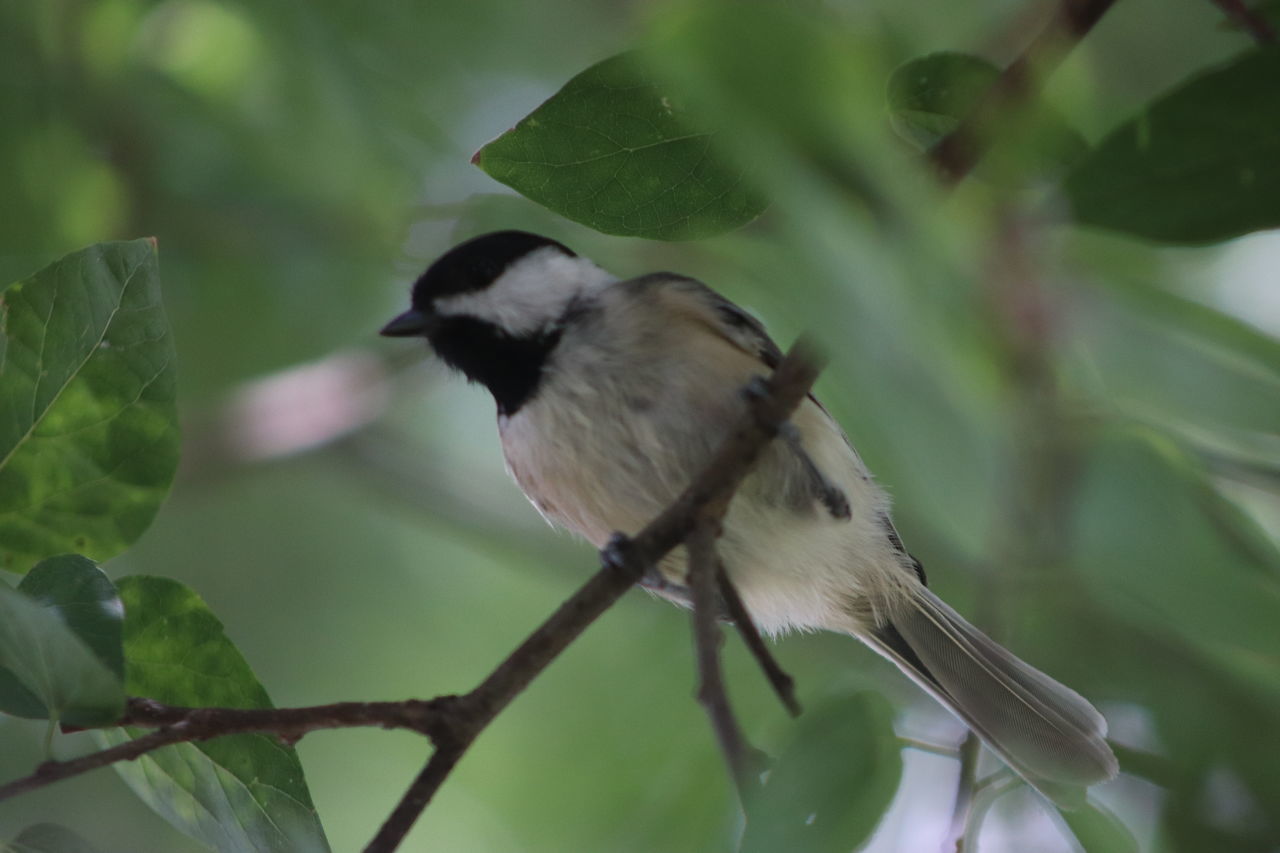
(616, 552)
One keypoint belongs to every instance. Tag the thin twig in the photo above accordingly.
(416, 798)
(958, 152)
(707, 639)
(931, 748)
(782, 683)
(56, 771)
(962, 811)
(183, 725)
(1249, 20)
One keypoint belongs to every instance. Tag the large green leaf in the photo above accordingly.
(616, 151)
(832, 785)
(74, 589)
(47, 838)
(88, 427)
(54, 673)
(240, 793)
(1200, 164)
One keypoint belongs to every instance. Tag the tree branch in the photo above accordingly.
(176, 724)
(958, 152)
(625, 561)
(453, 722)
(416, 798)
(703, 567)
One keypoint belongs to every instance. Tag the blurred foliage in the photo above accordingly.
(47, 838)
(830, 785)
(929, 97)
(1078, 427)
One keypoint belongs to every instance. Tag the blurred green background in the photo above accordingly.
(1079, 430)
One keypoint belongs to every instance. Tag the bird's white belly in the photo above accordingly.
(794, 570)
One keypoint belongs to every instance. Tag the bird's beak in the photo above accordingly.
(412, 323)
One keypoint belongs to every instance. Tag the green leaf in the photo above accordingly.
(928, 98)
(239, 793)
(78, 592)
(59, 676)
(832, 785)
(47, 838)
(89, 436)
(619, 153)
(1098, 830)
(1200, 164)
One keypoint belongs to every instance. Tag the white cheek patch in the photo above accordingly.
(530, 294)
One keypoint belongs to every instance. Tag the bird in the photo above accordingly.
(612, 394)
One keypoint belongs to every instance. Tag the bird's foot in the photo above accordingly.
(616, 553)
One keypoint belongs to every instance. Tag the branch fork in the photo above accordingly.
(452, 722)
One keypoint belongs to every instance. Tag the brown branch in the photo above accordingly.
(416, 798)
(626, 560)
(185, 725)
(1249, 20)
(453, 722)
(958, 152)
(56, 771)
(707, 639)
(782, 683)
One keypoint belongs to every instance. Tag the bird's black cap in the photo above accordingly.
(465, 268)
(475, 264)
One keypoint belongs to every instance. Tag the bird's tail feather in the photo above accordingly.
(1048, 733)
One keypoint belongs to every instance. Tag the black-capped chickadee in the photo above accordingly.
(613, 393)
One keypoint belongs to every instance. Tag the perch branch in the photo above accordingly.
(626, 560)
(453, 722)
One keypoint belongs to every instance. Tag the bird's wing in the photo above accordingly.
(695, 301)
(717, 313)
(748, 334)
